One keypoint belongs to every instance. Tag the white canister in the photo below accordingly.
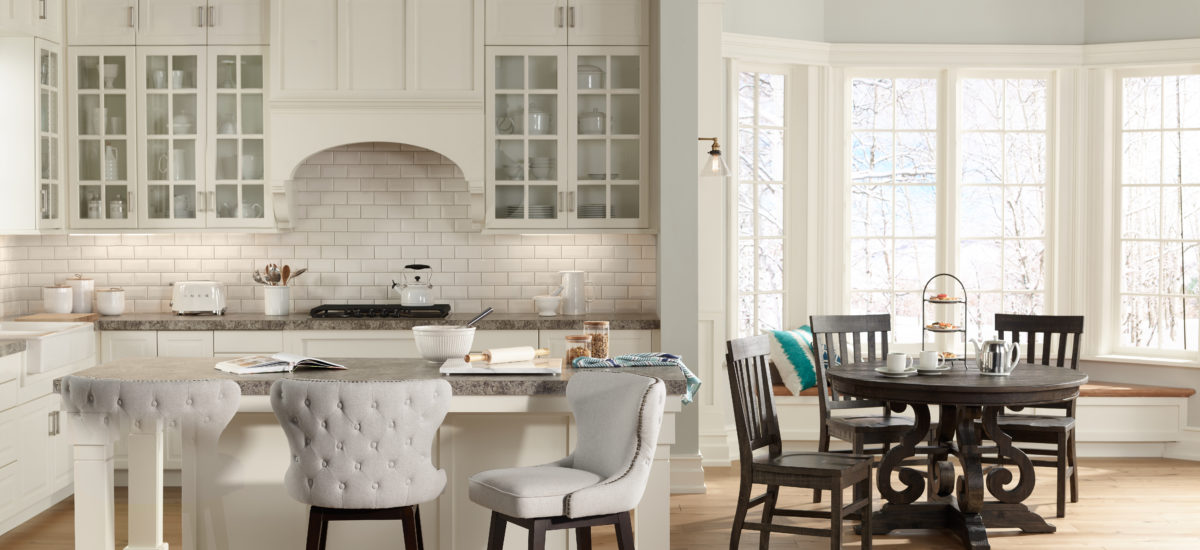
(110, 301)
(57, 299)
(82, 292)
(277, 300)
(574, 294)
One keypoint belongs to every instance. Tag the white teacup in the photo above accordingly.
(898, 362)
(932, 360)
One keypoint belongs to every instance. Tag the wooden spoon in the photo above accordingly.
(284, 274)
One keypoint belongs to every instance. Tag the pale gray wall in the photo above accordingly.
(966, 21)
(678, 176)
(795, 19)
(1141, 20)
(955, 21)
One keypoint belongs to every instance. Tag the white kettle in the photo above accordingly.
(415, 292)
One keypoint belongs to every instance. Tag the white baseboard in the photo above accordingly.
(716, 449)
(687, 475)
(1188, 446)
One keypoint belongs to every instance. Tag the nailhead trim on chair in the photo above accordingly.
(637, 449)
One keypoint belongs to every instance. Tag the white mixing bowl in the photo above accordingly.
(437, 343)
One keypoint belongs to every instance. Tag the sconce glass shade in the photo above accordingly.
(715, 164)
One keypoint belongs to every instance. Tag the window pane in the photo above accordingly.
(1140, 266)
(980, 211)
(1142, 102)
(770, 155)
(982, 104)
(770, 265)
(746, 265)
(1024, 211)
(770, 210)
(916, 210)
(982, 158)
(746, 209)
(870, 210)
(1139, 321)
(916, 103)
(870, 264)
(1140, 213)
(980, 264)
(1025, 158)
(746, 98)
(1140, 158)
(871, 103)
(914, 263)
(870, 157)
(771, 99)
(916, 157)
(1024, 263)
(1025, 104)
(770, 312)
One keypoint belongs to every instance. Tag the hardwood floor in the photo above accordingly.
(1124, 504)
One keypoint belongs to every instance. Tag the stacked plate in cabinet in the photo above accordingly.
(591, 211)
(536, 212)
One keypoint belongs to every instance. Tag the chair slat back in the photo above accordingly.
(748, 363)
(841, 337)
(1027, 328)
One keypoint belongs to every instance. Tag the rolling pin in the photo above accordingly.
(507, 355)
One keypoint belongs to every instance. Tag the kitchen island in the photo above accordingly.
(494, 422)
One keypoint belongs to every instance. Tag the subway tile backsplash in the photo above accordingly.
(364, 211)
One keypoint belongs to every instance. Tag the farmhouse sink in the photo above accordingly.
(51, 345)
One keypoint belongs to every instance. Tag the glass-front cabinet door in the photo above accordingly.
(170, 133)
(101, 121)
(609, 151)
(51, 190)
(527, 129)
(237, 189)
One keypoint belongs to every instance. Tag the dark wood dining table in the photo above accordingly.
(955, 498)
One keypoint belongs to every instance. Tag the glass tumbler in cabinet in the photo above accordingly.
(526, 160)
(102, 111)
(172, 107)
(237, 134)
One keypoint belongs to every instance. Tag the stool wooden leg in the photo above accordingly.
(496, 532)
(583, 538)
(835, 516)
(537, 534)
(764, 539)
(409, 517)
(316, 530)
(624, 532)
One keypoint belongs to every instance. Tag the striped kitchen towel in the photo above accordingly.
(645, 360)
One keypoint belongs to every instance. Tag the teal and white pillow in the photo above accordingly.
(794, 357)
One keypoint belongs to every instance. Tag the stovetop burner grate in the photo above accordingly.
(379, 311)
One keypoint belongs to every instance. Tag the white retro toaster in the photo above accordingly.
(192, 297)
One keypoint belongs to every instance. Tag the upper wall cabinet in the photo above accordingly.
(166, 22)
(568, 22)
(332, 49)
(40, 18)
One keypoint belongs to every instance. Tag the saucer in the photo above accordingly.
(933, 372)
(902, 374)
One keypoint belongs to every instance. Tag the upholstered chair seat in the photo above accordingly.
(618, 417)
(362, 450)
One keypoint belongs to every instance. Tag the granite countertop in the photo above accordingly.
(9, 347)
(362, 370)
(301, 321)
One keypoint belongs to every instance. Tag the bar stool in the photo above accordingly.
(618, 417)
(362, 450)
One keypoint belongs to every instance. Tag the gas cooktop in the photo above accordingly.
(380, 311)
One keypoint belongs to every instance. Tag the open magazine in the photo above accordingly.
(280, 362)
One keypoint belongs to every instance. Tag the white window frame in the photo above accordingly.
(1113, 348)
(731, 151)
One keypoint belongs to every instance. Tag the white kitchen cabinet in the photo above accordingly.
(16, 17)
(172, 23)
(185, 343)
(620, 342)
(101, 22)
(35, 427)
(247, 342)
(119, 344)
(567, 133)
(171, 110)
(387, 344)
(375, 49)
(31, 145)
(235, 162)
(102, 122)
(563, 22)
(48, 20)
(166, 22)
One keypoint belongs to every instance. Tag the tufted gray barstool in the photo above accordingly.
(618, 416)
(202, 408)
(362, 451)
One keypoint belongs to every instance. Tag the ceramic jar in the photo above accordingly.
(110, 301)
(57, 299)
(83, 290)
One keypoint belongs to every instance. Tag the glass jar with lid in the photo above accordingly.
(578, 345)
(598, 330)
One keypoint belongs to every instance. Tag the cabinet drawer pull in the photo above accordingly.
(571, 17)
(131, 17)
(42, 13)
(571, 201)
(560, 17)
(562, 201)
(211, 18)
(200, 16)
(212, 201)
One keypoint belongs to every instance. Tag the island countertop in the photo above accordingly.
(302, 321)
(362, 370)
(9, 347)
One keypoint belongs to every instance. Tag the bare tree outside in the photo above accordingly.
(1159, 279)
(760, 214)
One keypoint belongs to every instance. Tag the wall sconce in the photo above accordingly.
(714, 165)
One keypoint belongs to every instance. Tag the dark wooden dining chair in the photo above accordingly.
(1056, 430)
(841, 338)
(747, 361)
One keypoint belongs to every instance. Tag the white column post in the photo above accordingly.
(94, 515)
(652, 517)
(145, 444)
